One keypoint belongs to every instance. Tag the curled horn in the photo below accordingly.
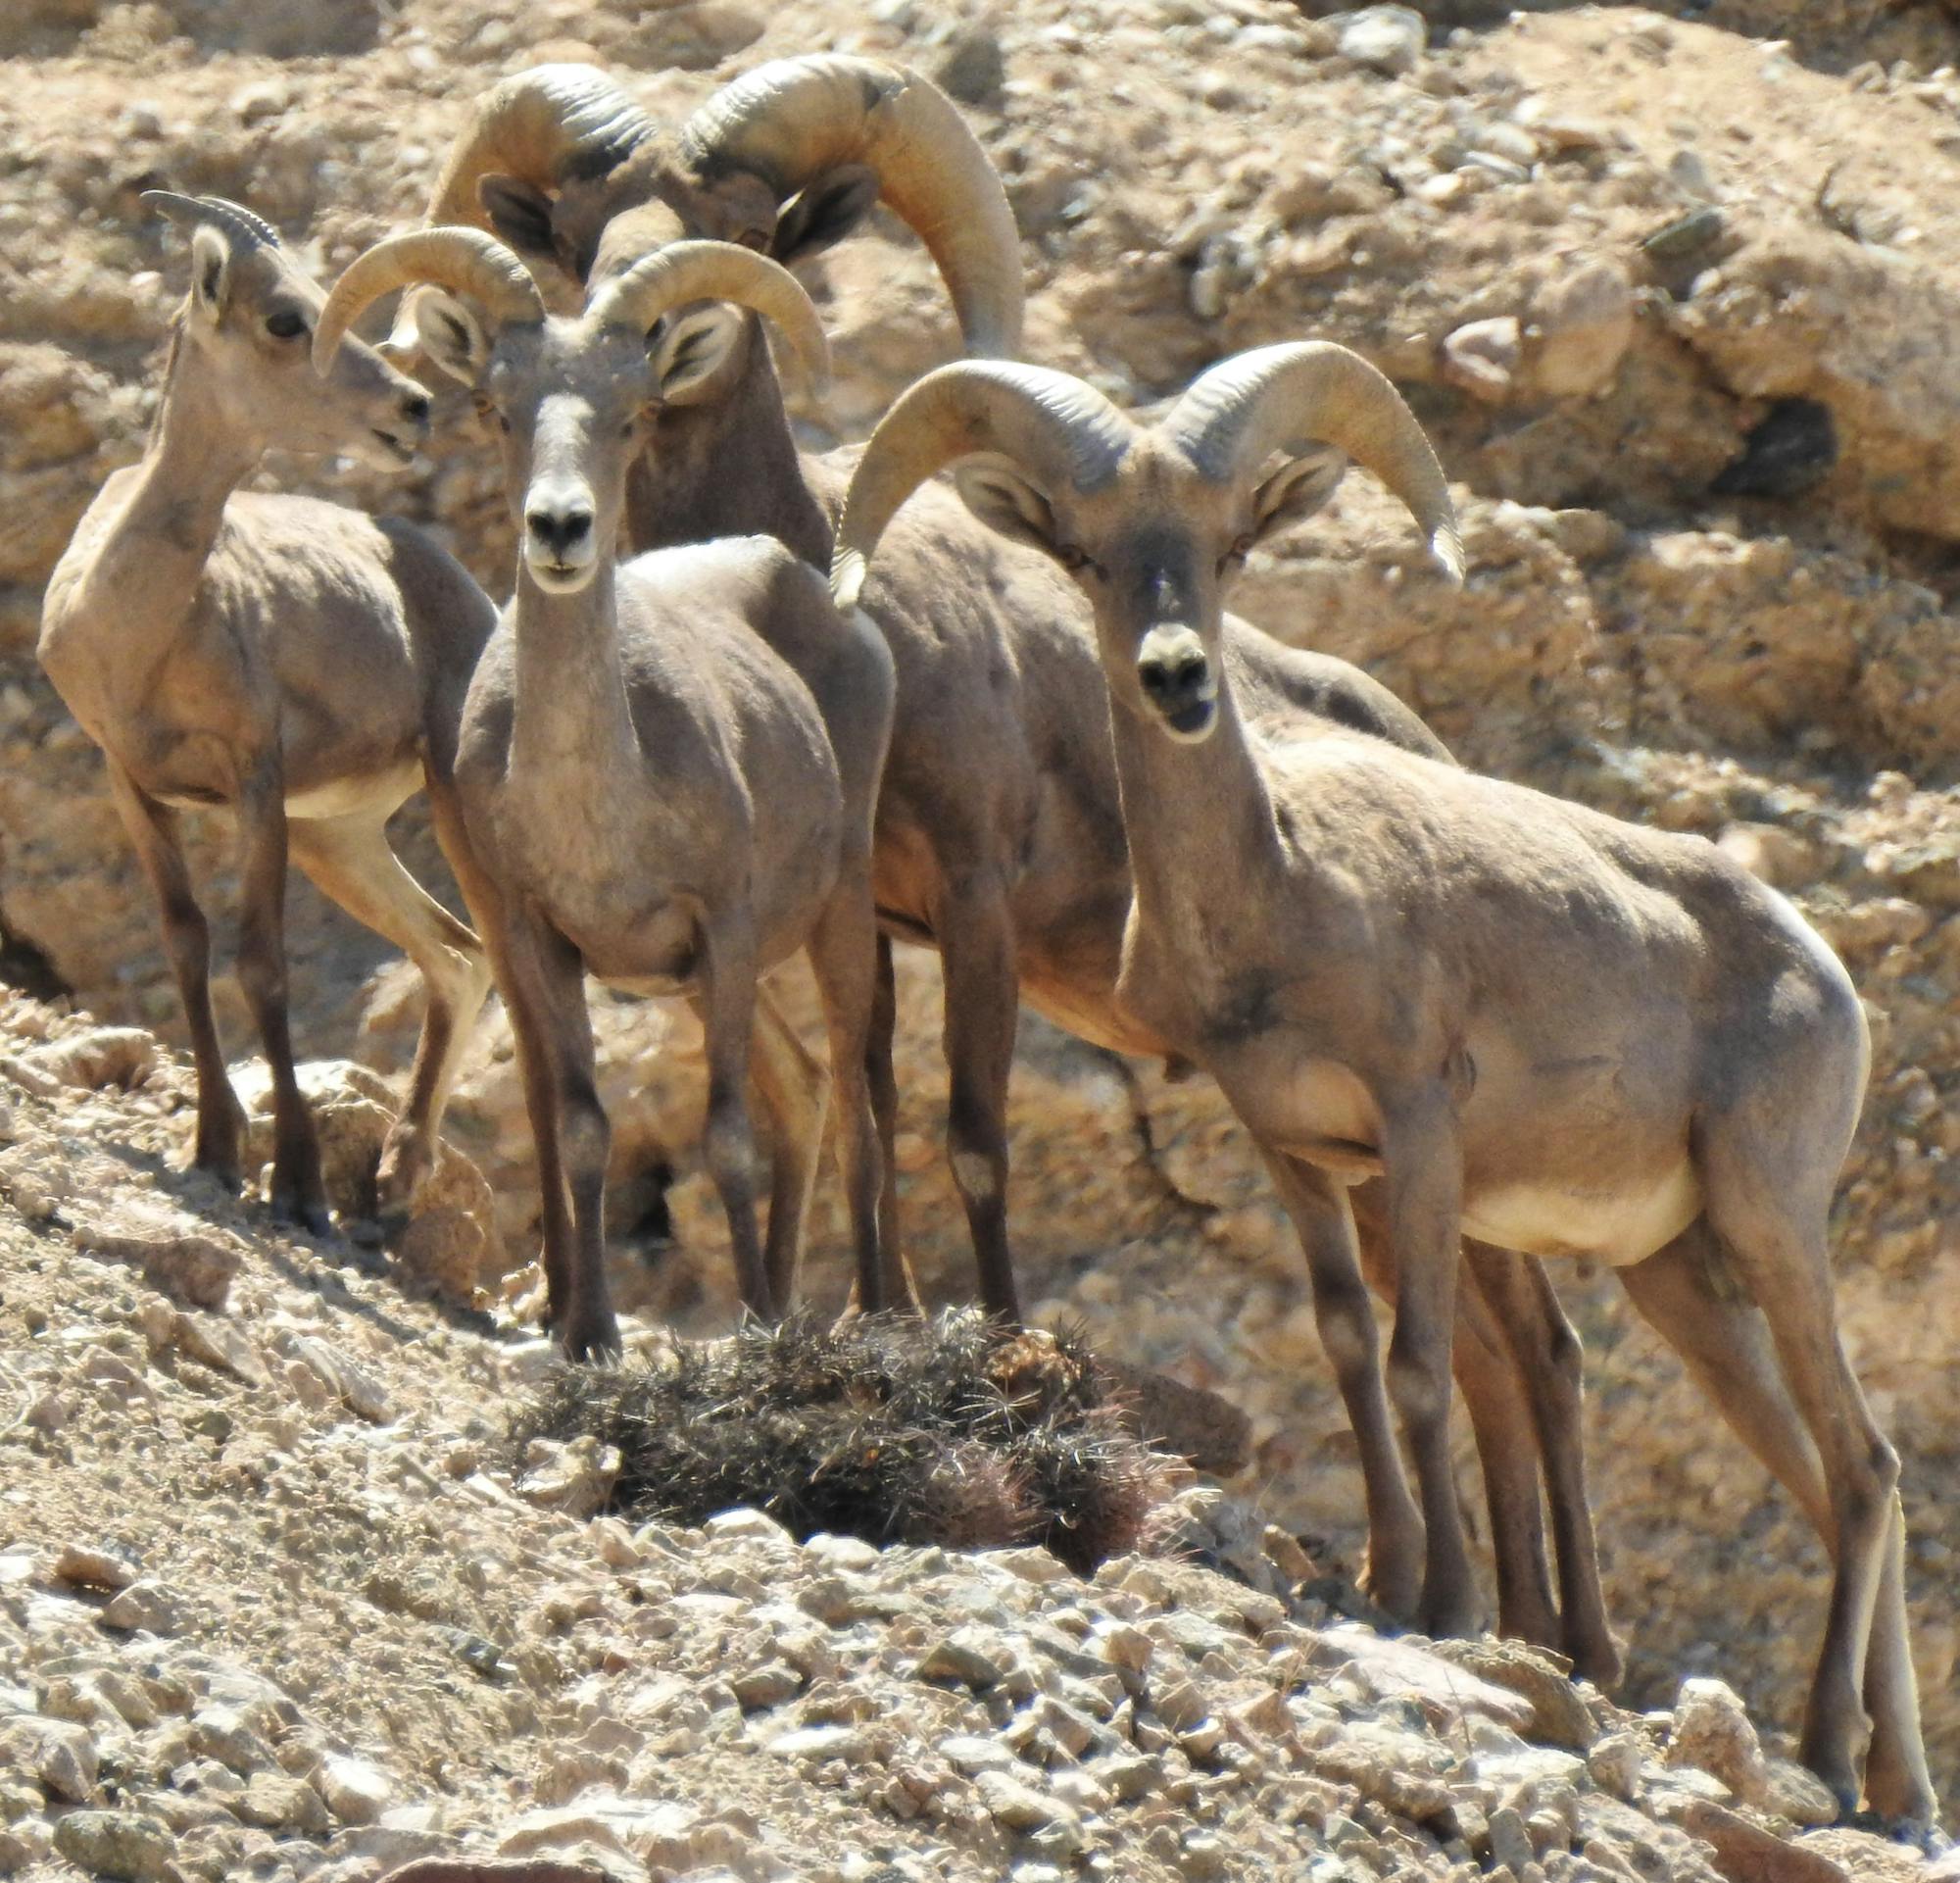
(686, 272)
(538, 125)
(1055, 426)
(464, 260)
(1282, 398)
(234, 219)
(793, 119)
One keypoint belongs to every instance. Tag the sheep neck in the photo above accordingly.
(571, 721)
(154, 554)
(1201, 829)
(727, 468)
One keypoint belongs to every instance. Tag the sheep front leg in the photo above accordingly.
(506, 933)
(1319, 1209)
(153, 830)
(1550, 1364)
(299, 1193)
(1422, 1162)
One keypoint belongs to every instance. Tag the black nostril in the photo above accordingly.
(415, 406)
(1181, 673)
(559, 531)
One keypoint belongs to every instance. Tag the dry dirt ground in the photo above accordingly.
(1673, 290)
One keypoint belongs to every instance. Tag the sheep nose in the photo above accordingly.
(416, 408)
(560, 528)
(1174, 670)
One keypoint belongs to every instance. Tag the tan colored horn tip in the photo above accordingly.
(1448, 548)
(327, 339)
(847, 569)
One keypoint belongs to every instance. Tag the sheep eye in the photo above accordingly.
(285, 324)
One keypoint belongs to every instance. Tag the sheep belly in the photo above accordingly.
(381, 792)
(1620, 1224)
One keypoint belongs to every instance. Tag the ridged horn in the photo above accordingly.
(1282, 398)
(234, 219)
(1055, 426)
(793, 119)
(539, 126)
(687, 271)
(465, 261)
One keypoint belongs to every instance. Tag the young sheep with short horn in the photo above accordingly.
(279, 656)
(665, 769)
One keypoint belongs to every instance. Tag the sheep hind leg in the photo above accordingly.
(884, 1087)
(795, 1098)
(726, 1005)
(351, 861)
(1724, 1342)
(843, 954)
(975, 931)
(153, 832)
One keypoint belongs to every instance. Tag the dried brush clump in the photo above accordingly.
(894, 1429)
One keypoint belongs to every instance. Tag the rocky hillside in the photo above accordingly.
(1673, 289)
(275, 1604)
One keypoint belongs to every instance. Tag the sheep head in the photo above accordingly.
(571, 397)
(247, 321)
(1151, 522)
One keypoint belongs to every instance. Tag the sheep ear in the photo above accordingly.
(823, 212)
(210, 268)
(450, 334)
(687, 349)
(1299, 488)
(996, 491)
(520, 213)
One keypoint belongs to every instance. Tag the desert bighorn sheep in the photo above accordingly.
(279, 654)
(1563, 1032)
(667, 769)
(1000, 838)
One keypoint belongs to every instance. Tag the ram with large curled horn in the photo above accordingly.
(1531, 1021)
(786, 159)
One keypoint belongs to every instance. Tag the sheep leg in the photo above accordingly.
(1500, 1416)
(351, 861)
(299, 1193)
(975, 934)
(1726, 1345)
(1424, 1172)
(1549, 1361)
(153, 832)
(1771, 1212)
(549, 975)
(843, 953)
(727, 1007)
(884, 1085)
(523, 1004)
(1319, 1209)
(796, 1096)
